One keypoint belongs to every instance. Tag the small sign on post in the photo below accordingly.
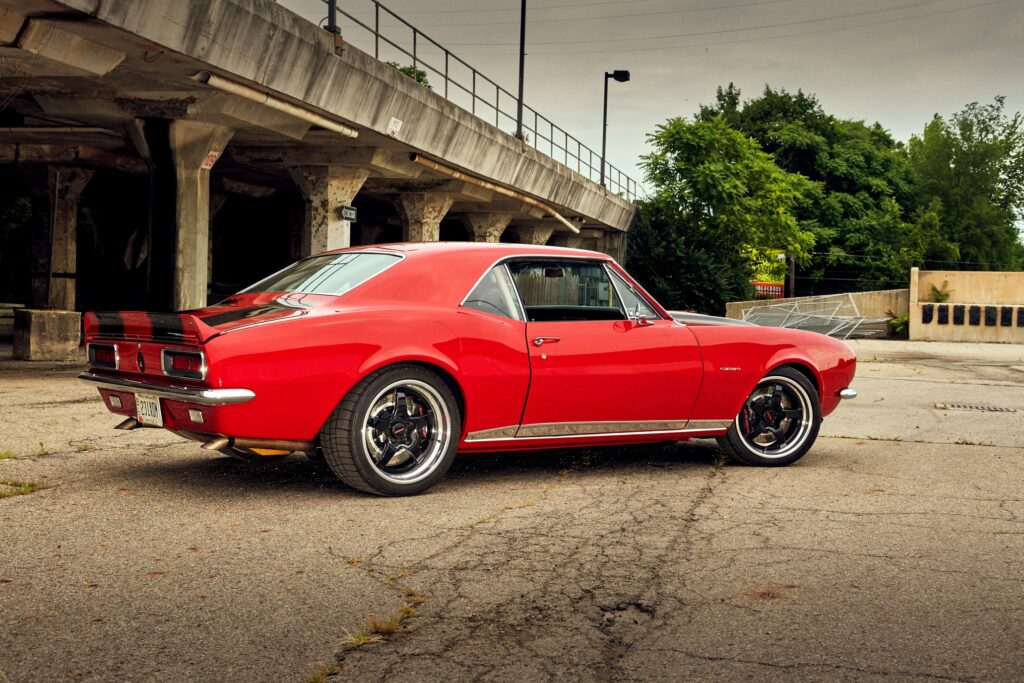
(348, 213)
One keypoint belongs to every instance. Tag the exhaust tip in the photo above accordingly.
(217, 444)
(130, 423)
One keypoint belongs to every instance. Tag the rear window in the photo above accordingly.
(331, 274)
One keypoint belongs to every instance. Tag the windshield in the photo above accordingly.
(331, 274)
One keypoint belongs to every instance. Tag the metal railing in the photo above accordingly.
(465, 86)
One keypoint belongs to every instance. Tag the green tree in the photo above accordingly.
(969, 172)
(418, 75)
(717, 198)
(860, 206)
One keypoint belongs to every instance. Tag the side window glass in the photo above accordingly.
(494, 294)
(635, 305)
(566, 290)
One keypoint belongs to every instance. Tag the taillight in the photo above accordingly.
(103, 356)
(182, 363)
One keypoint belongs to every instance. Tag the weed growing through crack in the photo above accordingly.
(7, 455)
(80, 447)
(10, 488)
(385, 627)
(42, 452)
(412, 597)
(323, 671)
(360, 639)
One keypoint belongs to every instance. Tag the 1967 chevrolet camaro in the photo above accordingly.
(385, 360)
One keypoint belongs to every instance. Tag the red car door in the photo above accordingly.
(601, 362)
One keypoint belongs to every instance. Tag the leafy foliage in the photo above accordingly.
(719, 198)
(859, 198)
(418, 75)
(684, 269)
(969, 172)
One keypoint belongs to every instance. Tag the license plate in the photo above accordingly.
(147, 410)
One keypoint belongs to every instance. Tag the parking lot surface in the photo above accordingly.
(893, 550)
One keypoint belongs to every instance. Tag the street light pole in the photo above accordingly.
(332, 17)
(620, 76)
(522, 65)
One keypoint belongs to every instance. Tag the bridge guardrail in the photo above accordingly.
(486, 99)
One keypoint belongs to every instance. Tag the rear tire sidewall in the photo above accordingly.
(741, 452)
(344, 449)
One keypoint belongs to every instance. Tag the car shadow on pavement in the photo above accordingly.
(298, 474)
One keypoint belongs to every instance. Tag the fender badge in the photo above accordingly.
(730, 369)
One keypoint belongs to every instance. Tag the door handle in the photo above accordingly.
(541, 341)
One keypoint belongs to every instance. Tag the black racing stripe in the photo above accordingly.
(236, 314)
(167, 326)
(111, 324)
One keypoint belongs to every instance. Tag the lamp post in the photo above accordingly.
(620, 76)
(522, 64)
(332, 17)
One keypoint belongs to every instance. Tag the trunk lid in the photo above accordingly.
(196, 327)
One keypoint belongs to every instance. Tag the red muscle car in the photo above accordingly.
(385, 360)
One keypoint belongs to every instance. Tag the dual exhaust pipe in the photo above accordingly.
(275, 446)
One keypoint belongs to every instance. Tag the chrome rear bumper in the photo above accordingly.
(204, 397)
(847, 393)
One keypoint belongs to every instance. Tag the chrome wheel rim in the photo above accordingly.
(406, 431)
(776, 418)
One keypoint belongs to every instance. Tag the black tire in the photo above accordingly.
(778, 422)
(395, 449)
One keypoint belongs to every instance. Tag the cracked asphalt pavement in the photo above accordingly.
(893, 550)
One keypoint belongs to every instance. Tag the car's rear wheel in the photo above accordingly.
(395, 433)
(778, 422)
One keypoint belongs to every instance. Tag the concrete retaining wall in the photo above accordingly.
(982, 306)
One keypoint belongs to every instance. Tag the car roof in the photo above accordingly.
(495, 250)
(442, 273)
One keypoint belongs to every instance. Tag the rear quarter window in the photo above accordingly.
(330, 274)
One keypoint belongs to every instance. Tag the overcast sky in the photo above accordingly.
(897, 62)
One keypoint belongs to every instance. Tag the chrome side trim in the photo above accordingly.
(496, 433)
(847, 393)
(205, 397)
(708, 424)
(588, 428)
(578, 430)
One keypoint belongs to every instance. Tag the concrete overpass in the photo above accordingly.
(229, 98)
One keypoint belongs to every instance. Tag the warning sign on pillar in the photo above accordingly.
(210, 160)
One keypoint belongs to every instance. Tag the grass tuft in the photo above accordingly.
(7, 455)
(360, 639)
(10, 488)
(323, 671)
(385, 627)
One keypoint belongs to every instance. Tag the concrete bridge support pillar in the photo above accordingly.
(614, 244)
(422, 213)
(195, 148)
(327, 189)
(487, 227)
(56, 247)
(534, 234)
(569, 240)
(216, 204)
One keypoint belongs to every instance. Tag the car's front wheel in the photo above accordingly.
(778, 422)
(395, 433)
